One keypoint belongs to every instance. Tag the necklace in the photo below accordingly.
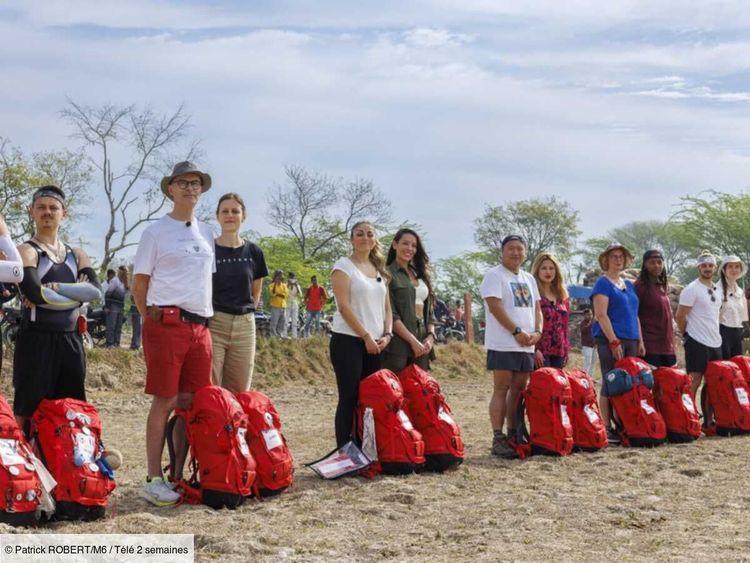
(57, 253)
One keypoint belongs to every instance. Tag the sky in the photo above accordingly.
(620, 107)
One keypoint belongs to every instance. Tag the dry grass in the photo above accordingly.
(677, 502)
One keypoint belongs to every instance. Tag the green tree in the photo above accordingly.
(548, 224)
(458, 274)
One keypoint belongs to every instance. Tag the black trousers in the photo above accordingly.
(731, 341)
(351, 363)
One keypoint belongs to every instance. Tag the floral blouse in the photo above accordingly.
(555, 341)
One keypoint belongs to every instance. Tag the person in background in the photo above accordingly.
(655, 311)
(441, 310)
(514, 327)
(114, 305)
(315, 299)
(411, 298)
(278, 292)
(552, 350)
(237, 284)
(616, 328)
(588, 346)
(698, 320)
(292, 303)
(458, 311)
(733, 311)
(136, 322)
(110, 274)
(362, 324)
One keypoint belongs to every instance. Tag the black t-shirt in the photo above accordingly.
(236, 268)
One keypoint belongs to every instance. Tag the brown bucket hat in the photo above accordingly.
(614, 246)
(185, 167)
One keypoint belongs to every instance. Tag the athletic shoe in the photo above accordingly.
(158, 493)
(500, 447)
(613, 438)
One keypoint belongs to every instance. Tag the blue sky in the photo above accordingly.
(618, 107)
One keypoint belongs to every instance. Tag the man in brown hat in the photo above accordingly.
(172, 291)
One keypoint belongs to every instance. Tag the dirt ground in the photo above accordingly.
(682, 502)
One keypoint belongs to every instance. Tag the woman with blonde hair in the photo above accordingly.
(362, 323)
(552, 350)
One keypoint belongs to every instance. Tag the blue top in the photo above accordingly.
(622, 309)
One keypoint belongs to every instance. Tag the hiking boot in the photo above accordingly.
(501, 448)
(613, 438)
(158, 493)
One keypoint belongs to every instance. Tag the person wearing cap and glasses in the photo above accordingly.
(616, 329)
(698, 319)
(733, 311)
(49, 361)
(173, 267)
(655, 311)
(514, 327)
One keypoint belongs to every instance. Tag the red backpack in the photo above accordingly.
(589, 433)
(725, 400)
(675, 402)
(399, 446)
(223, 470)
(20, 487)
(547, 402)
(743, 362)
(426, 407)
(274, 464)
(628, 388)
(68, 437)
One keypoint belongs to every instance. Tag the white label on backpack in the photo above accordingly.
(591, 414)
(242, 440)
(369, 440)
(405, 422)
(272, 438)
(445, 417)
(86, 446)
(742, 396)
(9, 452)
(646, 407)
(564, 416)
(687, 400)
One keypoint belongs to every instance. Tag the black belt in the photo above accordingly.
(189, 317)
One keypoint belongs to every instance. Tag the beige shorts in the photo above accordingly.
(233, 339)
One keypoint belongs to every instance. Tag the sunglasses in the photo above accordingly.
(711, 293)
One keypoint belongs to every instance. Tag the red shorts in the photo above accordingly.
(178, 357)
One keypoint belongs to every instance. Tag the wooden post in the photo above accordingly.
(468, 322)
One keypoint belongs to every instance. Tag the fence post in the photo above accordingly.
(468, 322)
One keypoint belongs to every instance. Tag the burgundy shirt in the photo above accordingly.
(587, 338)
(554, 340)
(655, 313)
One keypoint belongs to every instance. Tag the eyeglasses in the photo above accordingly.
(711, 293)
(185, 184)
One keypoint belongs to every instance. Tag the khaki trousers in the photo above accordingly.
(233, 339)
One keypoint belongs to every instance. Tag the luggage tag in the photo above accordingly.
(170, 316)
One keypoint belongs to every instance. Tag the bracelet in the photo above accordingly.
(614, 344)
(434, 336)
(388, 334)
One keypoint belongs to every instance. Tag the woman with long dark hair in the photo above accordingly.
(733, 311)
(655, 311)
(362, 323)
(412, 300)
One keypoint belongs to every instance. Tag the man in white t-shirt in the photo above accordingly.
(172, 290)
(698, 320)
(514, 326)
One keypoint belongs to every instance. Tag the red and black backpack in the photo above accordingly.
(431, 416)
(222, 467)
(674, 399)
(725, 400)
(547, 402)
(20, 486)
(589, 433)
(380, 414)
(67, 435)
(274, 464)
(628, 388)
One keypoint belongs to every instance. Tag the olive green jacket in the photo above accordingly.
(403, 296)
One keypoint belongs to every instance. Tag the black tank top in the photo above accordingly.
(39, 318)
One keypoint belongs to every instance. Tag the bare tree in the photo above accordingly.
(132, 192)
(318, 210)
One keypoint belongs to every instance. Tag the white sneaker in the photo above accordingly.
(158, 493)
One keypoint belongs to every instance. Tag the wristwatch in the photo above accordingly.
(517, 330)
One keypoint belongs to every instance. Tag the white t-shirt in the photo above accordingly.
(180, 261)
(703, 319)
(519, 295)
(734, 310)
(366, 299)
